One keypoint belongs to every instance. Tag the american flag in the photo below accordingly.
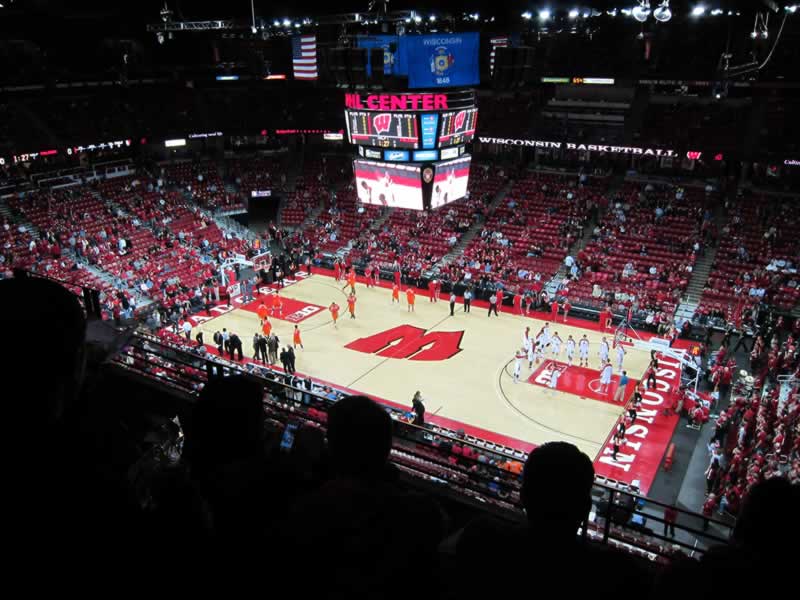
(304, 56)
(496, 42)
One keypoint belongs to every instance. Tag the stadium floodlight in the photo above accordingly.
(642, 11)
(527, 15)
(276, 23)
(432, 18)
(663, 13)
(792, 9)
(287, 23)
(698, 11)
(544, 14)
(717, 11)
(573, 14)
(417, 18)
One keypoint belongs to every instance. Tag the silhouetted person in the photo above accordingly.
(235, 347)
(371, 530)
(547, 553)
(60, 487)
(290, 358)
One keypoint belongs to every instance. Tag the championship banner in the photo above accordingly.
(442, 60)
(386, 42)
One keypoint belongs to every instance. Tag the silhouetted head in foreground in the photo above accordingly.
(557, 488)
(767, 522)
(359, 437)
(227, 423)
(43, 353)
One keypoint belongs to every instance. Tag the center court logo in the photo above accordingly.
(412, 343)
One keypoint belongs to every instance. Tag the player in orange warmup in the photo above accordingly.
(395, 293)
(262, 311)
(351, 280)
(334, 308)
(276, 304)
(297, 340)
(266, 327)
(351, 304)
(410, 296)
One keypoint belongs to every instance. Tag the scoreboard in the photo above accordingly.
(411, 147)
(383, 129)
(458, 127)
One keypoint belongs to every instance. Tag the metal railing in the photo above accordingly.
(486, 476)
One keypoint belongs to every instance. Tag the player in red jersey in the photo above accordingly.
(395, 293)
(433, 290)
(567, 308)
(499, 296)
(337, 269)
(368, 275)
(554, 310)
(518, 302)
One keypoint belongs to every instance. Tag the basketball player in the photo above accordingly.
(410, 297)
(433, 292)
(262, 312)
(555, 373)
(266, 327)
(620, 356)
(276, 304)
(334, 308)
(376, 273)
(519, 357)
(583, 351)
(337, 269)
(297, 340)
(570, 350)
(526, 338)
(351, 281)
(395, 293)
(351, 304)
(603, 351)
(555, 345)
(567, 308)
(368, 274)
(605, 377)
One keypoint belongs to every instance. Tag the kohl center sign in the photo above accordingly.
(397, 102)
(610, 149)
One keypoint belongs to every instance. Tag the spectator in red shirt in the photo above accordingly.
(670, 516)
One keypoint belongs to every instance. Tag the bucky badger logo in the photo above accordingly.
(382, 123)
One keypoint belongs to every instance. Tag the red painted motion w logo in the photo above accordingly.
(413, 343)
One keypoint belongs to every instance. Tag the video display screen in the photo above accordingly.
(458, 127)
(383, 129)
(387, 184)
(450, 181)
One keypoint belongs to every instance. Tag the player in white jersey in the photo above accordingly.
(518, 358)
(605, 377)
(583, 351)
(546, 334)
(620, 356)
(570, 350)
(555, 345)
(603, 351)
(526, 339)
(555, 373)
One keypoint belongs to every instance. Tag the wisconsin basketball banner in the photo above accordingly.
(442, 60)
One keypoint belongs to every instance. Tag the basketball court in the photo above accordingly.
(463, 365)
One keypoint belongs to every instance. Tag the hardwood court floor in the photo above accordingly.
(474, 387)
